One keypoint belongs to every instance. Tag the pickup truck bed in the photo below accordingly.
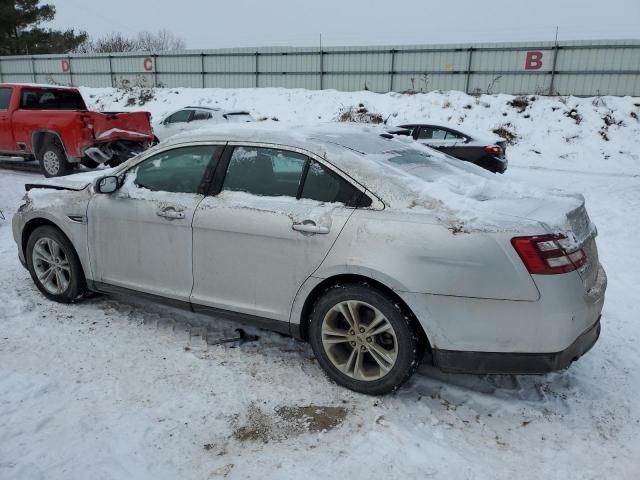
(54, 125)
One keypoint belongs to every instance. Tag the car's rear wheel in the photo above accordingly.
(53, 160)
(363, 339)
(54, 265)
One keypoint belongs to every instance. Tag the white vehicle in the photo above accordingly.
(192, 118)
(375, 249)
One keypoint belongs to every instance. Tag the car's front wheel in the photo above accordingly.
(363, 339)
(54, 265)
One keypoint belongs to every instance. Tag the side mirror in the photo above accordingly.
(107, 184)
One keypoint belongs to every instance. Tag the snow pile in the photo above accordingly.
(122, 389)
(599, 134)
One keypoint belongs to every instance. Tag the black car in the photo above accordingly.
(484, 151)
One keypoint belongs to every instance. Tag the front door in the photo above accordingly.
(274, 221)
(140, 237)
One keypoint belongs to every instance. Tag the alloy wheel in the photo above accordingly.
(51, 266)
(359, 340)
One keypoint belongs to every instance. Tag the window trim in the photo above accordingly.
(190, 110)
(209, 172)
(221, 170)
(10, 97)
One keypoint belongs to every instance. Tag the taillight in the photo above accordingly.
(493, 150)
(545, 254)
(86, 127)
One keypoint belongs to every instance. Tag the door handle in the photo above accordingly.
(171, 213)
(309, 226)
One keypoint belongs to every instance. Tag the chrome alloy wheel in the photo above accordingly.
(51, 266)
(359, 340)
(51, 162)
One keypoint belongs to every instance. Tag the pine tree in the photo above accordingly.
(21, 32)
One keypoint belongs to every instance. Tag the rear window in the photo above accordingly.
(5, 96)
(238, 117)
(51, 99)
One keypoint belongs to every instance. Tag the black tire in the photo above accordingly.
(410, 348)
(77, 283)
(53, 160)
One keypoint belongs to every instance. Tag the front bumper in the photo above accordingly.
(453, 361)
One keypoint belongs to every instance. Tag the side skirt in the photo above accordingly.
(246, 319)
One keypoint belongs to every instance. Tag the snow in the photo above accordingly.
(120, 388)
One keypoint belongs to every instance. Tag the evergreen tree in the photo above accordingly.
(21, 32)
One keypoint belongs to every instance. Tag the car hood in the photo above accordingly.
(76, 182)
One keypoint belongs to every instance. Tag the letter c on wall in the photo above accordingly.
(147, 64)
(66, 66)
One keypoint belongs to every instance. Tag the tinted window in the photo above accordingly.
(201, 115)
(180, 170)
(264, 171)
(238, 117)
(51, 99)
(429, 133)
(325, 186)
(5, 96)
(180, 117)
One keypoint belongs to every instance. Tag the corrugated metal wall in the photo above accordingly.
(569, 68)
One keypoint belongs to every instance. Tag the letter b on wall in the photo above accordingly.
(533, 60)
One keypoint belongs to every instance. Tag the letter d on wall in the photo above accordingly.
(147, 64)
(533, 60)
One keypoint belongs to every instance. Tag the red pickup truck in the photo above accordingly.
(54, 125)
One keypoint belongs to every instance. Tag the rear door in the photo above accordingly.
(6, 132)
(271, 225)
(140, 237)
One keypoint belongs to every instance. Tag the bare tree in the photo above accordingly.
(158, 42)
(111, 43)
(143, 42)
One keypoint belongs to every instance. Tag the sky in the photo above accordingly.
(244, 23)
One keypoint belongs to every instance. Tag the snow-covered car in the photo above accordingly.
(486, 151)
(192, 118)
(372, 247)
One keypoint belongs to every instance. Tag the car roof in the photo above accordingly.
(313, 138)
(200, 107)
(473, 134)
(37, 85)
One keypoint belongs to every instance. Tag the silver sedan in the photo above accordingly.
(380, 252)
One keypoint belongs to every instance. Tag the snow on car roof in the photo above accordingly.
(408, 176)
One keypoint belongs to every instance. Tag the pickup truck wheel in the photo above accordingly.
(53, 160)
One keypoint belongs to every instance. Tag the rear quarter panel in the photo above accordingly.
(408, 253)
(66, 124)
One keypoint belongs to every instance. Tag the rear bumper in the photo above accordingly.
(493, 164)
(453, 361)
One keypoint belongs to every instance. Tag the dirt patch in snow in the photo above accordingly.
(259, 426)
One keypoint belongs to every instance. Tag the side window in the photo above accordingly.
(454, 136)
(5, 96)
(180, 117)
(201, 115)
(429, 133)
(264, 171)
(180, 170)
(325, 186)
